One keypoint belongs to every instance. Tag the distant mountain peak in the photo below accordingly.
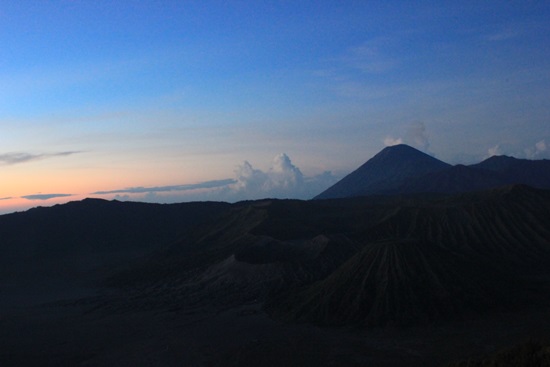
(402, 169)
(501, 157)
(384, 172)
(399, 147)
(400, 150)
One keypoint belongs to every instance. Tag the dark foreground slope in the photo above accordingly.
(444, 259)
(78, 243)
(385, 281)
(370, 262)
(530, 353)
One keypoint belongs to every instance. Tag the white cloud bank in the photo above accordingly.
(283, 180)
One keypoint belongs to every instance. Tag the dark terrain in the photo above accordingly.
(408, 279)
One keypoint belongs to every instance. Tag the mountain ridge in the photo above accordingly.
(401, 169)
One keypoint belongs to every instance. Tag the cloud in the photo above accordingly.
(44, 196)
(415, 136)
(283, 174)
(145, 190)
(283, 180)
(122, 197)
(537, 150)
(370, 58)
(7, 198)
(16, 158)
(502, 35)
(494, 151)
(541, 146)
(389, 141)
(249, 179)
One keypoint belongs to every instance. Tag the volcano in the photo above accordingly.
(401, 169)
(385, 173)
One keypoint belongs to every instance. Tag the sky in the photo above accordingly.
(174, 101)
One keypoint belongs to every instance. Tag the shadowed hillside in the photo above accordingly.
(84, 240)
(438, 259)
(530, 354)
(375, 261)
(407, 280)
(398, 282)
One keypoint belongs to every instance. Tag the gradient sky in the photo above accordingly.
(226, 100)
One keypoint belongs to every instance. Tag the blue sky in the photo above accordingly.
(215, 100)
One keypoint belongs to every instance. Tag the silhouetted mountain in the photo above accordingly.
(91, 235)
(384, 173)
(404, 170)
(512, 170)
(454, 179)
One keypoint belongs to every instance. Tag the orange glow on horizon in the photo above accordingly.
(18, 204)
(83, 183)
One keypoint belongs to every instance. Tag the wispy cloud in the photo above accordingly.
(157, 189)
(496, 150)
(416, 136)
(21, 157)
(391, 141)
(348, 70)
(44, 196)
(502, 35)
(537, 150)
(370, 57)
(282, 180)
(6, 198)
